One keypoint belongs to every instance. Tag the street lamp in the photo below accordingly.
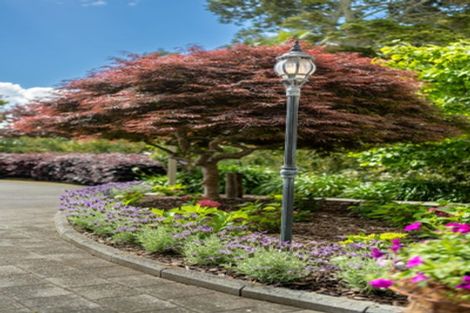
(294, 67)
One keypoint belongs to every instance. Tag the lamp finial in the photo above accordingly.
(296, 46)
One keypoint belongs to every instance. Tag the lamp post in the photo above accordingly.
(294, 68)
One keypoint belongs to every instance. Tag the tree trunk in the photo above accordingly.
(210, 181)
(233, 185)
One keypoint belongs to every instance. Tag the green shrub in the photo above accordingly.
(34, 144)
(159, 239)
(124, 237)
(272, 266)
(356, 272)
(208, 251)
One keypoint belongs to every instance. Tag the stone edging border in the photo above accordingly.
(301, 299)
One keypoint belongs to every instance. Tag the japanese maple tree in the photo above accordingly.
(222, 104)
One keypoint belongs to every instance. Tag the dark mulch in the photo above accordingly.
(328, 224)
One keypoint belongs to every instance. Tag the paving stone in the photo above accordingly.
(222, 302)
(76, 280)
(19, 280)
(136, 303)
(169, 290)
(10, 269)
(34, 291)
(10, 305)
(175, 310)
(87, 262)
(115, 271)
(63, 301)
(72, 309)
(105, 291)
(138, 280)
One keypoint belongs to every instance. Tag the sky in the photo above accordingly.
(44, 42)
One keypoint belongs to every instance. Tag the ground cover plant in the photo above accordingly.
(239, 242)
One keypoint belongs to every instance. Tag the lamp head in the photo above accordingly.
(295, 66)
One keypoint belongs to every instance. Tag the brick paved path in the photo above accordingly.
(39, 272)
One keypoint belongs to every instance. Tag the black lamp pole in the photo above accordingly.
(294, 67)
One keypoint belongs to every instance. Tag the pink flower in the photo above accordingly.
(465, 283)
(414, 261)
(419, 278)
(459, 228)
(396, 245)
(413, 226)
(209, 203)
(381, 283)
(376, 253)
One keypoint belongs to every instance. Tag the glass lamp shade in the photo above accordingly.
(295, 66)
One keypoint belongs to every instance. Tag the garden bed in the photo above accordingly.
(327, 227)
(317, 232)
(336, 250)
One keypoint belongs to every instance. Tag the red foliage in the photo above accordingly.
(233, 95)
(80, 168)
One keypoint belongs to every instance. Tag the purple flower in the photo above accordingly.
(413, 226)
(396, 245)
(465, 283)
(419, 278)
(376, 253)
(459, 228)
(381, 283)
(414, 261)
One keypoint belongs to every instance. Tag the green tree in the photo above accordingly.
(350, 24)
(444, 69)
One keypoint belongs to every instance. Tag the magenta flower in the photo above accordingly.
(419, 278)
(414, 261)
(413, 226)
(396, 245)
(381, 283)
(459, 228)
(376, 253)
(465, 283)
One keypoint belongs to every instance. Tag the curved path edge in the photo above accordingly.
(301, 299)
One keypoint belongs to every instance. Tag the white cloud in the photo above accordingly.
(94, 3)
(100, 3)
(15, 94)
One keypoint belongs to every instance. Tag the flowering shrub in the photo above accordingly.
(81, 168)
(437, 267)
(207, 251)
(273, 266)
(159, 239)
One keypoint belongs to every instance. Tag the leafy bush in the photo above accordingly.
(357, 271)
(160, 239)
(446, 69)
(86, 169)
(207, 251)
(273, 266)
(311, 186)
(439, 266)
(397, 214)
